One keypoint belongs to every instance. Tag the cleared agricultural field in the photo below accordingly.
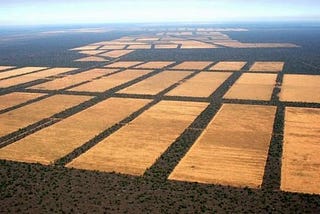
(112, 47)
(201, 85)
(228, 66)
(56, 141)
(253, 87)
(91, 59)
(136, 146)
(123, 64)
(116, 53)
(19, 118)
(156, 83)
(232, 150)
(300, 88)
(190, 65)
(19, 71)
(139, 47)
(155, 64)
(2, 68)
(301, 148)
(106, 83)
(267, 66)
(160, 46)
(15, 98)
(92, 52)
(73, 79)
(33, 76)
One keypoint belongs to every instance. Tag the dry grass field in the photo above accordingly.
(301, 148)
(253, 87)
(192, 65)
(70, 80)
(300, 88)
(2, 68)
(267, 66)
(33, 76)
(157, 83)
(116, 53)
(123, 64)
(91, 59)
(136, 146)
(19, 71)
(19, 118)
(201, 85)
(232, 150)
(58, 140)
(15, 98)
(106, 83)
(155, 64)
(228, 66)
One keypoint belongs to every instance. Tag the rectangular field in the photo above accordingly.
(155, 64)
(106, 83)
(300, 88)
(19, 118)
(228, 66)
(192, 65)
(73, 79)
(116, 53)
(232, 150)
(201, 85)
(58, 140)
(267, 66)
(253, 87)
(123, 64)
(156, 83)
(139, 47)
(169, 46)
(136, 146)
(300, 160)
(2, 68)
(92, 59)
(15, 98)
(19, 71)
(32, 77)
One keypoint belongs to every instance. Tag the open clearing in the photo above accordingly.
(19, 71)
(112, 47)
(91, 59)
(300, 161)
(169, 46)
(253, 87)
(201, 85)
(155, 64)
(33, 76)
(56, 141)
(228, 66)
(116, 53)
(300, 88)
(2, 68)
(106, 83)
(92, 52)
(139, 47)
(73, 79)
(267, 66)
(19, 118)
(192, 65)
(136, 146)
(123, 64)
(156, 83)
(15, 98)
(232, 150)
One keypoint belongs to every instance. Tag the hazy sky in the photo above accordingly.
(13, 12)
